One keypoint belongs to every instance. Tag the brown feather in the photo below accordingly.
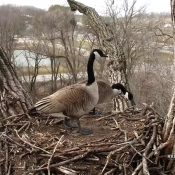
(73, 101)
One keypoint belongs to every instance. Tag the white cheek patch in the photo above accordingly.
(116, 92)
(96, 54)
(126, 95)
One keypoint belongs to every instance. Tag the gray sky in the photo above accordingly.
(99, 5)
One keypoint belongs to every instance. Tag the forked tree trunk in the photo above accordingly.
(116, 67)
(13, 98)
(117, 58)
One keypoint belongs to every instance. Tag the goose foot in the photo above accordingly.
(82, 131)
(85, 131)
(69, 124)
(95, 113)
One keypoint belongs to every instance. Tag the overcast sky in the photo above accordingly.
(99, 5)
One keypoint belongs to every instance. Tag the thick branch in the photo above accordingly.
(95, 20)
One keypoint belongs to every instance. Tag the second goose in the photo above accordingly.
(107, 93)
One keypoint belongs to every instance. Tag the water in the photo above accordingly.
(46, 77)
(24, 58)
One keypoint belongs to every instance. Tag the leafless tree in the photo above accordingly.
(32, 52)
(60, 41)
(10, 25)
(126, 28)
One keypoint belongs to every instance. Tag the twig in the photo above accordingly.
(67, 171)
(148, 147)
(137, 136)
(9, 169)
(50, 159)
(110, 155)
(110, 171)
(26, 124)
(163, 145)
(138, 168)
(6, 156)
(140, 153)
(104, 117)
(16, 142)
(13, 116)
(119, 127)
(118, 150)
(30, 144)
(63, 162)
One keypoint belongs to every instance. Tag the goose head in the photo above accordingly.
(99, 53)
(119, 89)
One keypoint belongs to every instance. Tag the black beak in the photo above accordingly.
(105, 55)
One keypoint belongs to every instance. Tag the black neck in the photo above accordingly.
(124, 91)
(90, 70)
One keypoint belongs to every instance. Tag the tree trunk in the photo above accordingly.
(13, 98)
(117, 64)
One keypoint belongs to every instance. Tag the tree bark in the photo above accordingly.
(13, 97)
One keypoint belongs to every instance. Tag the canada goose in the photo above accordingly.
(107, 92)
(75, 100)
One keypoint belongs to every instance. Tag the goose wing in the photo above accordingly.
(72, 100)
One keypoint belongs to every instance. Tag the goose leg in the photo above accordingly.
(94, 112)
(83, 131)
(68, 123)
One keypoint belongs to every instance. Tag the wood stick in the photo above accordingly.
(16, 143)
(30, 144)
(13, 116)
(63, 162)
(67, 171)
(104, 117)
(148, 147)
(50, 159)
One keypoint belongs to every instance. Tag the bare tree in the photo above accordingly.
(125, 26)
(32, 52)
(10, 25)
(60, 41)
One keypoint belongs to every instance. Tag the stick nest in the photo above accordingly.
(128, 142)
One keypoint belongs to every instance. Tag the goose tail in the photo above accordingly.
(44, 105)
(32, 111)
